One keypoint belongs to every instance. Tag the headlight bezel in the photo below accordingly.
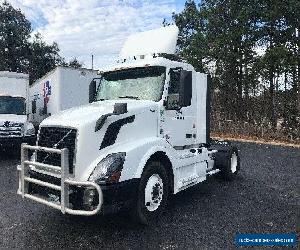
(109, 169)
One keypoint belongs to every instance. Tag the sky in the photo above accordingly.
(99, 27)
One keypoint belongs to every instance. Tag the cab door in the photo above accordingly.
(179, 124)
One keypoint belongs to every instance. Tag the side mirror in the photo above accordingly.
(185, 91)
(92, 91)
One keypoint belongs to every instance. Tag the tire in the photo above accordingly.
(150, 206)
(232, 165)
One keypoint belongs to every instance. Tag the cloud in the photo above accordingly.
(98, 27)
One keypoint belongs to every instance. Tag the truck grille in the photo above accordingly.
(11, 130)
(59, 138)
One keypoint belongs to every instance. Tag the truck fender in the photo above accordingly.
(147, 156)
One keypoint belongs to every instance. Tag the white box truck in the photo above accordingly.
(144, 136)
(14, 126)
(60, 89)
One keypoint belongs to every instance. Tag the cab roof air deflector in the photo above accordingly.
(158, 41)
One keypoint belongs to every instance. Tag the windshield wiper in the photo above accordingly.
(129, 97)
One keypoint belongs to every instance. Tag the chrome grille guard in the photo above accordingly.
(66, 182)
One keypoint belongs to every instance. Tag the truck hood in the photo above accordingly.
(12, 118)
(92, 144)
(80, 116)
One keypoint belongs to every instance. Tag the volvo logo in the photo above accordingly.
(6, 124)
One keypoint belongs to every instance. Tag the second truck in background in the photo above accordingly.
(60, 89)
(14, 125)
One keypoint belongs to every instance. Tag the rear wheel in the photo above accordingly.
(231, 165)
(153, 193)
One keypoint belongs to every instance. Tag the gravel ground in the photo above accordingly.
(263, 199)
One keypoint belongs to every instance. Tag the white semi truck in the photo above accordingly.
(144, 136)
(14, 125)
(60, 89)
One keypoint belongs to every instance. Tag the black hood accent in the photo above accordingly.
(113, 130)
(119, 109)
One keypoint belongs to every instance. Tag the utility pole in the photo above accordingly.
(92, 61)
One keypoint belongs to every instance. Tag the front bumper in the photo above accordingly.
(116, 197)
(67, 195)
(63, 188)
(17, 141)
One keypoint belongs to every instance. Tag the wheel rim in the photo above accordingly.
(153, 192)
(233, 163)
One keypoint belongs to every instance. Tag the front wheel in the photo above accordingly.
(153, 193)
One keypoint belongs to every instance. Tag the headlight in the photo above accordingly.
(109, 169)
(29, 129)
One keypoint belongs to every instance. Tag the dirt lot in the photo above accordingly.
(263, 199)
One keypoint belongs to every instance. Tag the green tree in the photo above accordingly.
(191, 41)
(292, 17)
(273, 36)
(19, 51)
(75, 63)
(251, 48)
(15, 31)
(218, 37)
(42, 57)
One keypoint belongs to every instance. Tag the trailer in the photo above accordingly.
(144, 136)
(14, 125)
(60, 89)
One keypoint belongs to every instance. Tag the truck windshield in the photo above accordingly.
(12, 105)
(137, 83)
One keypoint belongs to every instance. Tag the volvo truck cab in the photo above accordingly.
(144, 136)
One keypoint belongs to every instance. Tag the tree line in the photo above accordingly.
(252, 50)
(21, 51)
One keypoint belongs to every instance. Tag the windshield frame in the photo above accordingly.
(163, 69)
(15, 98)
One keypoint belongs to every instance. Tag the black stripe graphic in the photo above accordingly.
(113, 130)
